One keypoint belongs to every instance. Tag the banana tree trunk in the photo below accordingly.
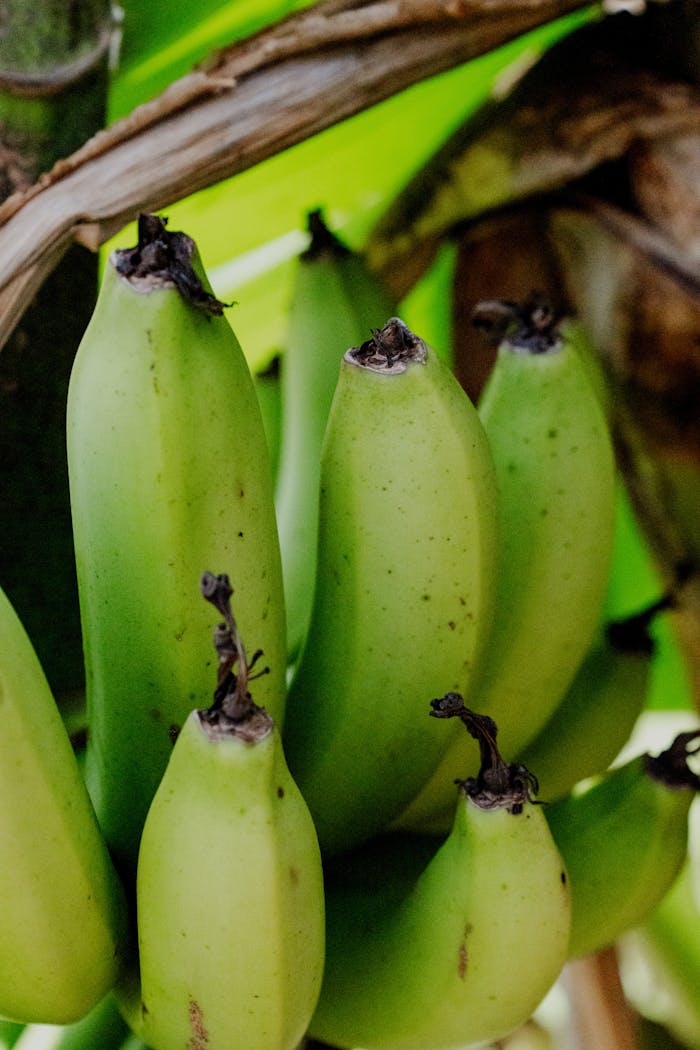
(53, 86)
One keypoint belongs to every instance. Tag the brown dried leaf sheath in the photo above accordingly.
(257, 98)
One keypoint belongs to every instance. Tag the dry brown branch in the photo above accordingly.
(601, 1015)
(257, 98)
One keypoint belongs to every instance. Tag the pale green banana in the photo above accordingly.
(63, 935)
(593, 722)
(556, 478)
(404, 588)
(230, 904)
(336, 303)
(103, 1028)
(434, 947)
(624, 837)
(169, 472)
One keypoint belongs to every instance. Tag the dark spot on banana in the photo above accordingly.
(462, 955)
(293, 875)
(563, 878)
(452, 625)
(280, 792)
(173, 733)
(200, 1036)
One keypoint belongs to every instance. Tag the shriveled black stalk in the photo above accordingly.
(390, 350)
(161, 258)
(498, 783)
(631, 634)
(234, 712)
(322, 240)
(532, 327)
(671, 766)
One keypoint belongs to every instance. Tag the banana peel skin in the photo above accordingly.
(169, 472)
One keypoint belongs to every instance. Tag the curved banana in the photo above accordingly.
(336, 303)
(593, 722)
(404, 588)
(230, 904)
(624, 837)
(556, 479)
(169, 470)
(63, 933)
(434, 947)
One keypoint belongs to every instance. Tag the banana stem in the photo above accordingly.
(498, 783)
(233, 709)
(601, 1015)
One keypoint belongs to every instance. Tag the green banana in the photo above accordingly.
(103, 1028)
(336, 303)
(169, 470)
(404, 589)
(230, 906)
(434, 947)
(556, 479)
(593, 722)
(624, 837)
(62, 909)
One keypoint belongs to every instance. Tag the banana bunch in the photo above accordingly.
(63, 928)
(169, 472)
(440, 946)
(404, 586)
(336, 302)
(274, 850)
(230, 903)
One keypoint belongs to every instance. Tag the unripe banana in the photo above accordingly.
(169, 471)
(336, 303)
(62, 909)
(229, 885)
(434, 947)
(556, 479)
(404, 588)
(593, 722)
(623, 836)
